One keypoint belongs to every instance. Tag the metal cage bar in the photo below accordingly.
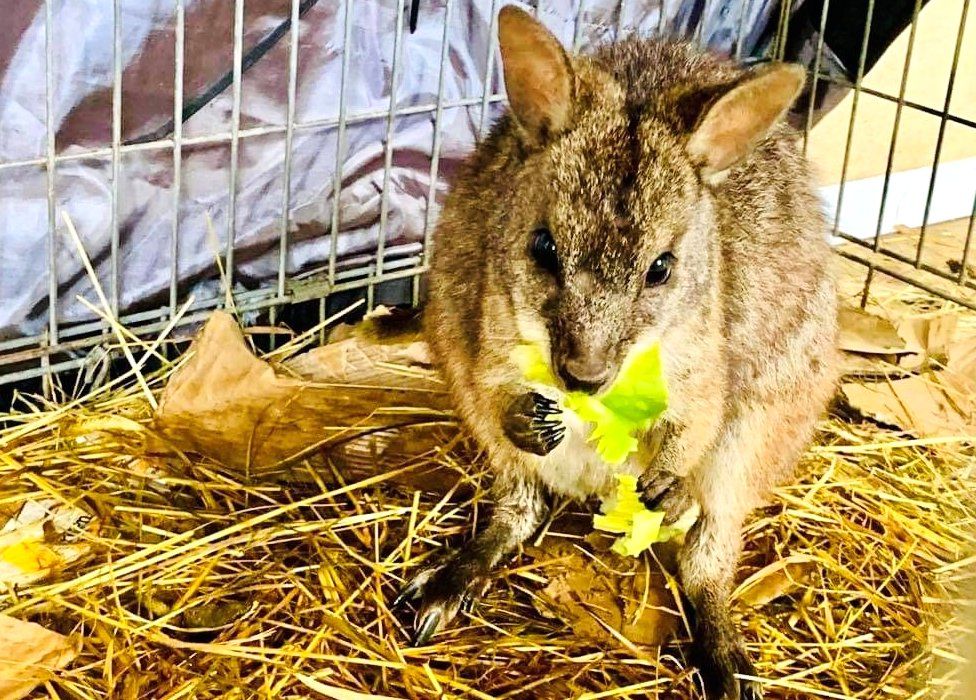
(341, 124)
(942, 127)
(289, 136)
(967, 247)
(114, 291)
(489, 69)
(817, 60)
(850, 127)
(388, 154)
(889, 163)
(235, 144)
(744, 7)
(577, 28)
(51, 163)
(179, 50)
(435, 146)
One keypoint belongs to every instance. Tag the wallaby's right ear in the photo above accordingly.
(732, 126)
(538, 76)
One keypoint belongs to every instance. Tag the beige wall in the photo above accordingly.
(935, 40)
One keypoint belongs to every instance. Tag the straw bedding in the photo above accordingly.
(200, 583)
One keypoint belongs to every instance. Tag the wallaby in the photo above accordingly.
(646, 193)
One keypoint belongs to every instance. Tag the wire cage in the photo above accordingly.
(247, 192)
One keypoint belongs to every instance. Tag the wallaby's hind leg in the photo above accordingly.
(757, 451)
(708, 564)
(455, 583)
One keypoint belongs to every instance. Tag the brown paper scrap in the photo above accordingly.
(29, 655)
(604, 597)
(366, 406)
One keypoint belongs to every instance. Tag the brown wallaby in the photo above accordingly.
(646, 193)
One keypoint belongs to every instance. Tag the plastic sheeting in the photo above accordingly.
(82, 81)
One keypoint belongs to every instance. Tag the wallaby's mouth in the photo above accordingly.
(582, 366)
(585, 382)
(584, 353)
(588, 373)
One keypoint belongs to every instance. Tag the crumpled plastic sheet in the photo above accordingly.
(82, 109)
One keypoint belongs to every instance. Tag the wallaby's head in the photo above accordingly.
(608, 225)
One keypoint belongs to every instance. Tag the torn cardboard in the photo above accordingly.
(42, 537)
(924, 380)
(364, 404)
(781, 578)
(604, 597)
(936, 402)
(865, 333)
(29, 656)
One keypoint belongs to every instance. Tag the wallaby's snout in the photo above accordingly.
(585, 329)
(582, 356)
(583, 368)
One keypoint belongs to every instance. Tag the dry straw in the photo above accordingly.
(198, 584)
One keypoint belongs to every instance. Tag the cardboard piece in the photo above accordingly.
(865, 333)
(29, 655)
(363, 404)
(778, 579)
(597, 603)
(931, 404)
(43, 536)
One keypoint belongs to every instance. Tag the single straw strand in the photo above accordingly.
(116, 328)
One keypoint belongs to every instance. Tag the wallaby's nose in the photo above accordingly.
(584, 373)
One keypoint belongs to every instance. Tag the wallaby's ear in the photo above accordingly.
(538, 76)
(732, 126)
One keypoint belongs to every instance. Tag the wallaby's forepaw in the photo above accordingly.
(661, 490)
(718, 665)
(530, 426)
(443, 590)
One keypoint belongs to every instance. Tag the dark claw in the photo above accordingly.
(467, 603)
(665, 492)
(549, 429)
(553, 435)
(654, 489)
(426, 628)
(718, 665)
(409, 592)
(546, 409)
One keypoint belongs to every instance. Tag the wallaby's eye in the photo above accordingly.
(660, 270)
(544, 250)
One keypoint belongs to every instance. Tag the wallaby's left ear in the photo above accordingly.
(732, 126)
(538, 77)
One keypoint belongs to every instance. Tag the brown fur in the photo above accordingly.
(746, 321)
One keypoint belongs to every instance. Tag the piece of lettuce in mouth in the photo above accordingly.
(635, 400)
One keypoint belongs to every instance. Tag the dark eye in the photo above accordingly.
(544, 250)
(660, 270)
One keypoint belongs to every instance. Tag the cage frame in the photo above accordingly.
(58, 348)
